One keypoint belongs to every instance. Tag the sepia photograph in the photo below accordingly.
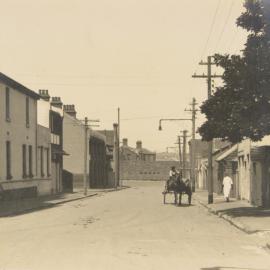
(135, 135)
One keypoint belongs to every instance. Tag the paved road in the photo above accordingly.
(129, 229)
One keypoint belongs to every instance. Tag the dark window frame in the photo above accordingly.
(42, 161)
(8, 160)
(24, 169)
(7, 99)
(48, 162)
(30, 161)
(27, 112)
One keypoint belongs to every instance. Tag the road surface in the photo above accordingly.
(128, 229)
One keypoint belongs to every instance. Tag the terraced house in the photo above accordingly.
(18, 139)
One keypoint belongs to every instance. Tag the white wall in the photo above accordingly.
(43, 117)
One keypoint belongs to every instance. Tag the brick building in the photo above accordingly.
(141, 164)
(138, 153)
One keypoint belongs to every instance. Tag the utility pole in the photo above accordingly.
(180, 153)
(193, 110)
(118, 148)
(185, 153)
(209, 77)
(86, 171)
(85, 178)
(115, 155)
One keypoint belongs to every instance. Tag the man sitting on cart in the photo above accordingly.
(173, 175)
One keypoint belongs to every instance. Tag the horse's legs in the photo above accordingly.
(164, 198)
(180, 198)
(189, 198)
(175, 198)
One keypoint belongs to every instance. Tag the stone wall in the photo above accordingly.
(146, 170)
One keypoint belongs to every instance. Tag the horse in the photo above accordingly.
(178, 186)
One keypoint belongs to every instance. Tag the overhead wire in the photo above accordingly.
(211, 29)
(224, 25)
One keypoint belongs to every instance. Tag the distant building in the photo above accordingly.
(74, 144)
(165, 156)
(141, 164)
(138, 153)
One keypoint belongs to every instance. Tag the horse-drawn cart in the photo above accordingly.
(177, 186)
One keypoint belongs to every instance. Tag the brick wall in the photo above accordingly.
(146, 170)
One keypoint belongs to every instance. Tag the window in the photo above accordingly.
(30, 151)
(7, 104)
(8, 159)
(48, 161)
(41, 162)
(24, 161)
(27, 111)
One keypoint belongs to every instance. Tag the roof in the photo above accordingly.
(17, 86)
(264, 142)
(229, 154)
(138, 151)
(97, 135)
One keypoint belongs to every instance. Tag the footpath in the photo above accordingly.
(248, 218)
(16, 207)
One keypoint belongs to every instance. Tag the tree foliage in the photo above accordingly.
(241, 107)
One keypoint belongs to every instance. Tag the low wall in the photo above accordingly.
(146, 170)
(27, 188)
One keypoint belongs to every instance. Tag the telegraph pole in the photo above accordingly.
(209, 77)
(118, 148)
(115, 155)
(180, 152)
(85, 178)
(185, 153)
(86, 171)
(193, 110)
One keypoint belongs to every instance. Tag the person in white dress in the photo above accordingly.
(227, 186)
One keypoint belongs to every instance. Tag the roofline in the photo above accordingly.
(17, 86)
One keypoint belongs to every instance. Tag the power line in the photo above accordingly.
(225, 23)
(211, 28)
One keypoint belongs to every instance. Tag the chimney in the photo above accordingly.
(125, 142)
(70, 109)
(44, 94)
(56, 102)
(139, 145)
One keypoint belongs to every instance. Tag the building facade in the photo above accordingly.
(19, 138)
(75, 140)
(138, 153)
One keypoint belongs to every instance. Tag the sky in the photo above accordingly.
(138, 55)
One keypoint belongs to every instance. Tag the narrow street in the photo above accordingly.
(128, 229)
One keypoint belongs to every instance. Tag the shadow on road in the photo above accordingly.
(246, 212)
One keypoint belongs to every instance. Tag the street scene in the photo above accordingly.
(128, 229)
(135, 135)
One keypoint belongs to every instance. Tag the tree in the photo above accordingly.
(241, 107)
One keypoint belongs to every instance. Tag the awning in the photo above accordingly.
(227, 153)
